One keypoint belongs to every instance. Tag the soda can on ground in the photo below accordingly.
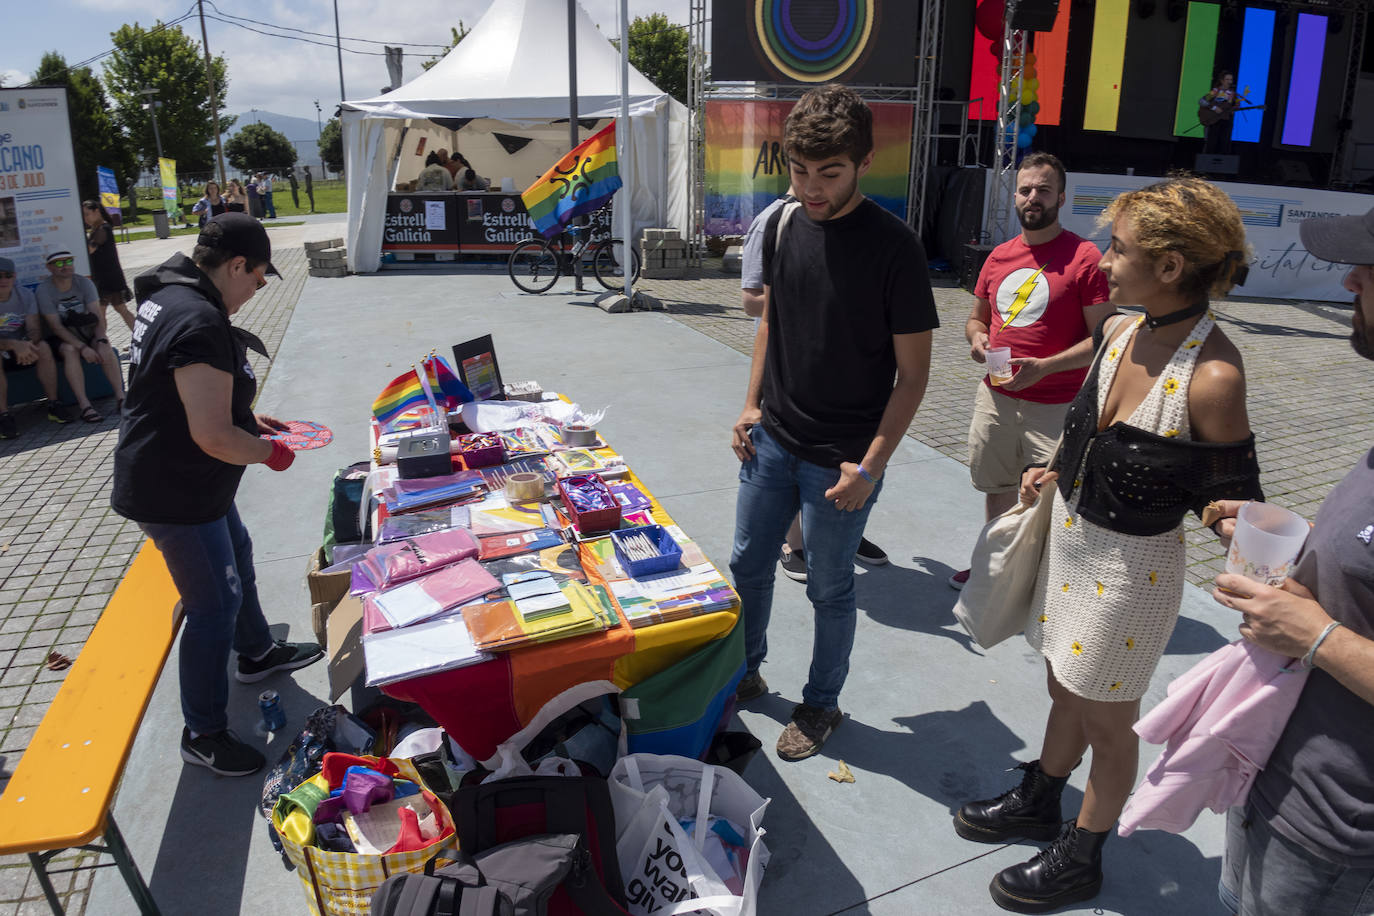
(273, 716)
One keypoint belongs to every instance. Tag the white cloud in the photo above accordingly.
(14, 77)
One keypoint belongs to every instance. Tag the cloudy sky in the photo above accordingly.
(270, 73)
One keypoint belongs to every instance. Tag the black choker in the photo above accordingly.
(1154, 323)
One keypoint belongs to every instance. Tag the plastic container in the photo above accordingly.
(670, 553)
(476, 454)
(589, 520)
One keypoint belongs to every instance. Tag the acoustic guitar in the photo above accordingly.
(1207, 116)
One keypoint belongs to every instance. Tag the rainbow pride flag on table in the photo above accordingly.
(403, 394)
(580, 182)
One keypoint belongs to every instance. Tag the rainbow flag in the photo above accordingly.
(442, 380)
(404, 393)
(579, 183)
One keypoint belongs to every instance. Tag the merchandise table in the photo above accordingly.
(464, 222)
(484, 704)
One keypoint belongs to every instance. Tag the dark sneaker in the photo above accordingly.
(793, 563)
(751, 687)
(285, 656)
(59, 414)
(808, 730)
(8, 428)
(959, 579)
(870, 553)
(221, 753)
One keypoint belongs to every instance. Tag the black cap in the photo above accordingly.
(239, 234)
(1342, 239)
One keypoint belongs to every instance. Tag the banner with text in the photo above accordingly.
(109, 188)
(167, 168)
(1280, 268)
(746, 169)
(40, 209)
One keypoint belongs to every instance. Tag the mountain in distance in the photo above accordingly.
(293, 128)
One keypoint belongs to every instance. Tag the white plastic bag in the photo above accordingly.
(665, 870)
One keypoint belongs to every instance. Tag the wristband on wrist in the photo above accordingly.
(281, 456)
(1309, 660)
(863, 472)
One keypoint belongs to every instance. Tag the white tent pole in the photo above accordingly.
(572, 117)
(626, 165)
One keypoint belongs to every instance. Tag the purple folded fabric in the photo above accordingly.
(362, 789)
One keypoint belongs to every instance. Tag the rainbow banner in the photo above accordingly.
(580, 182)
(746, 168)
(404, 393)
(167, 169)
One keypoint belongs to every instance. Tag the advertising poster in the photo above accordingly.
(40, 208)
(746, 169)
(167, 168)
(1280, 268)
(109, 189)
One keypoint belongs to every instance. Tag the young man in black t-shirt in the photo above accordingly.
(848, 310)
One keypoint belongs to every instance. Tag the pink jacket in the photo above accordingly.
(1219, 724)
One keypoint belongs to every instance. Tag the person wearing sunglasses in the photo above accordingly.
(22, 345)
(71, 306)
(187, 433)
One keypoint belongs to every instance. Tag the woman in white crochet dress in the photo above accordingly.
(1158, 428)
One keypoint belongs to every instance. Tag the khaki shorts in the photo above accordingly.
(1006, 435)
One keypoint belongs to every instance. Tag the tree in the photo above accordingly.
(96, 141)
(658, 49)
(458, 35)
(259, 148)
(331, 145)
(168, 60)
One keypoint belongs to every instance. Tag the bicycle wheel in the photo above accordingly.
(533, 267)
(609, 264)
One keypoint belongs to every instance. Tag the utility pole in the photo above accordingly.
(210, 81)
(572, 116)
(338, 47)
(319, 132)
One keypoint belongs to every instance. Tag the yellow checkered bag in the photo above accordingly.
(342, 883)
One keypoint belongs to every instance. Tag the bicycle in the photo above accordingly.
(536, 264)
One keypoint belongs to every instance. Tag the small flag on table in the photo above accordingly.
(581, 182)
(403, 394)
(442, 380)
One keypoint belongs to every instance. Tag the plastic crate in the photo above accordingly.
(670, 553)
(480, 456)
(589, 520)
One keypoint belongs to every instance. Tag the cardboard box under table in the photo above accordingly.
(482, 705)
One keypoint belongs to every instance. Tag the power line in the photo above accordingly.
(287, 28)
(162, 26)
(309, 41)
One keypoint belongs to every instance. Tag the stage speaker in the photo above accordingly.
(1293, 171)
(1215, 164)
(1033, 15)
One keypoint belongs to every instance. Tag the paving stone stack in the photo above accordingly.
(327, 258)
(663, 255)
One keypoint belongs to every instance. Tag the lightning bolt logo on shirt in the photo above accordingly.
(1022, 297)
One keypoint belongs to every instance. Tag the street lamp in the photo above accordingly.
(319, 132)
(152, 106)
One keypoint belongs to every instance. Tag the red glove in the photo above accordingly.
(281, 456)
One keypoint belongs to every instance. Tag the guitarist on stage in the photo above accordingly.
(1215, 111)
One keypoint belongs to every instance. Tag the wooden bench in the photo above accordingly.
(60, 795)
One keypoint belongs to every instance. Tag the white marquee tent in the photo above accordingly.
(507, 82)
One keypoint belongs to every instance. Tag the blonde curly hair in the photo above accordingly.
(1197, 219)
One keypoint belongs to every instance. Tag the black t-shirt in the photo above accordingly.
(839, 290)
(105, 269)
(160, 474)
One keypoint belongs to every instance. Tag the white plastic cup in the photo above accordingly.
(1268, 539)
(508, 185)
(999, 365)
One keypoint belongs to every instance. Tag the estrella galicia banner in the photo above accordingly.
(864, 42)
(40, 210)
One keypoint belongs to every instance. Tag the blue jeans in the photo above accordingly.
(773, 485)
(1265, 874)
(268, 207)
(212, 568)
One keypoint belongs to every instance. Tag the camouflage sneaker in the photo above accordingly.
(808, 730)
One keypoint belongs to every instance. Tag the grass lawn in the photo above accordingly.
(330, 197)
(137, 234)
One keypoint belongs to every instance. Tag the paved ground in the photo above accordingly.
(62, 551)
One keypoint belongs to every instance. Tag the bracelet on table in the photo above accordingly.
(1309, 660)
(863, 472)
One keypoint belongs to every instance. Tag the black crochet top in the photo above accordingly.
(1137, 482)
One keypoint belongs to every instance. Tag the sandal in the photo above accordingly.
(91, 415)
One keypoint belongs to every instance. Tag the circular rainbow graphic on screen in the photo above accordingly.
(813, 41)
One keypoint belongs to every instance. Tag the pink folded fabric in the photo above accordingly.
(427, 597)
(401, 561)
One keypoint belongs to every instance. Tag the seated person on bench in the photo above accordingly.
(22, 344)
(76, 324)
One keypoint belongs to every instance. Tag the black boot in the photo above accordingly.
(1029, 811)
(1066, 871)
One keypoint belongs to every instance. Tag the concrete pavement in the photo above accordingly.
(932, 720)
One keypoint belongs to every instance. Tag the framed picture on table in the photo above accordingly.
(477, 368)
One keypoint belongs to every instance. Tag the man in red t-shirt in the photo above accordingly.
(1039, 294)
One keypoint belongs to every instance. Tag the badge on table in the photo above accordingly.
(302, 435)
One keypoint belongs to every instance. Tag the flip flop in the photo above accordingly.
(91, 415)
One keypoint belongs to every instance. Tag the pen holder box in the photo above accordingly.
(590, 519)
(479, 451)
(669, 553)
